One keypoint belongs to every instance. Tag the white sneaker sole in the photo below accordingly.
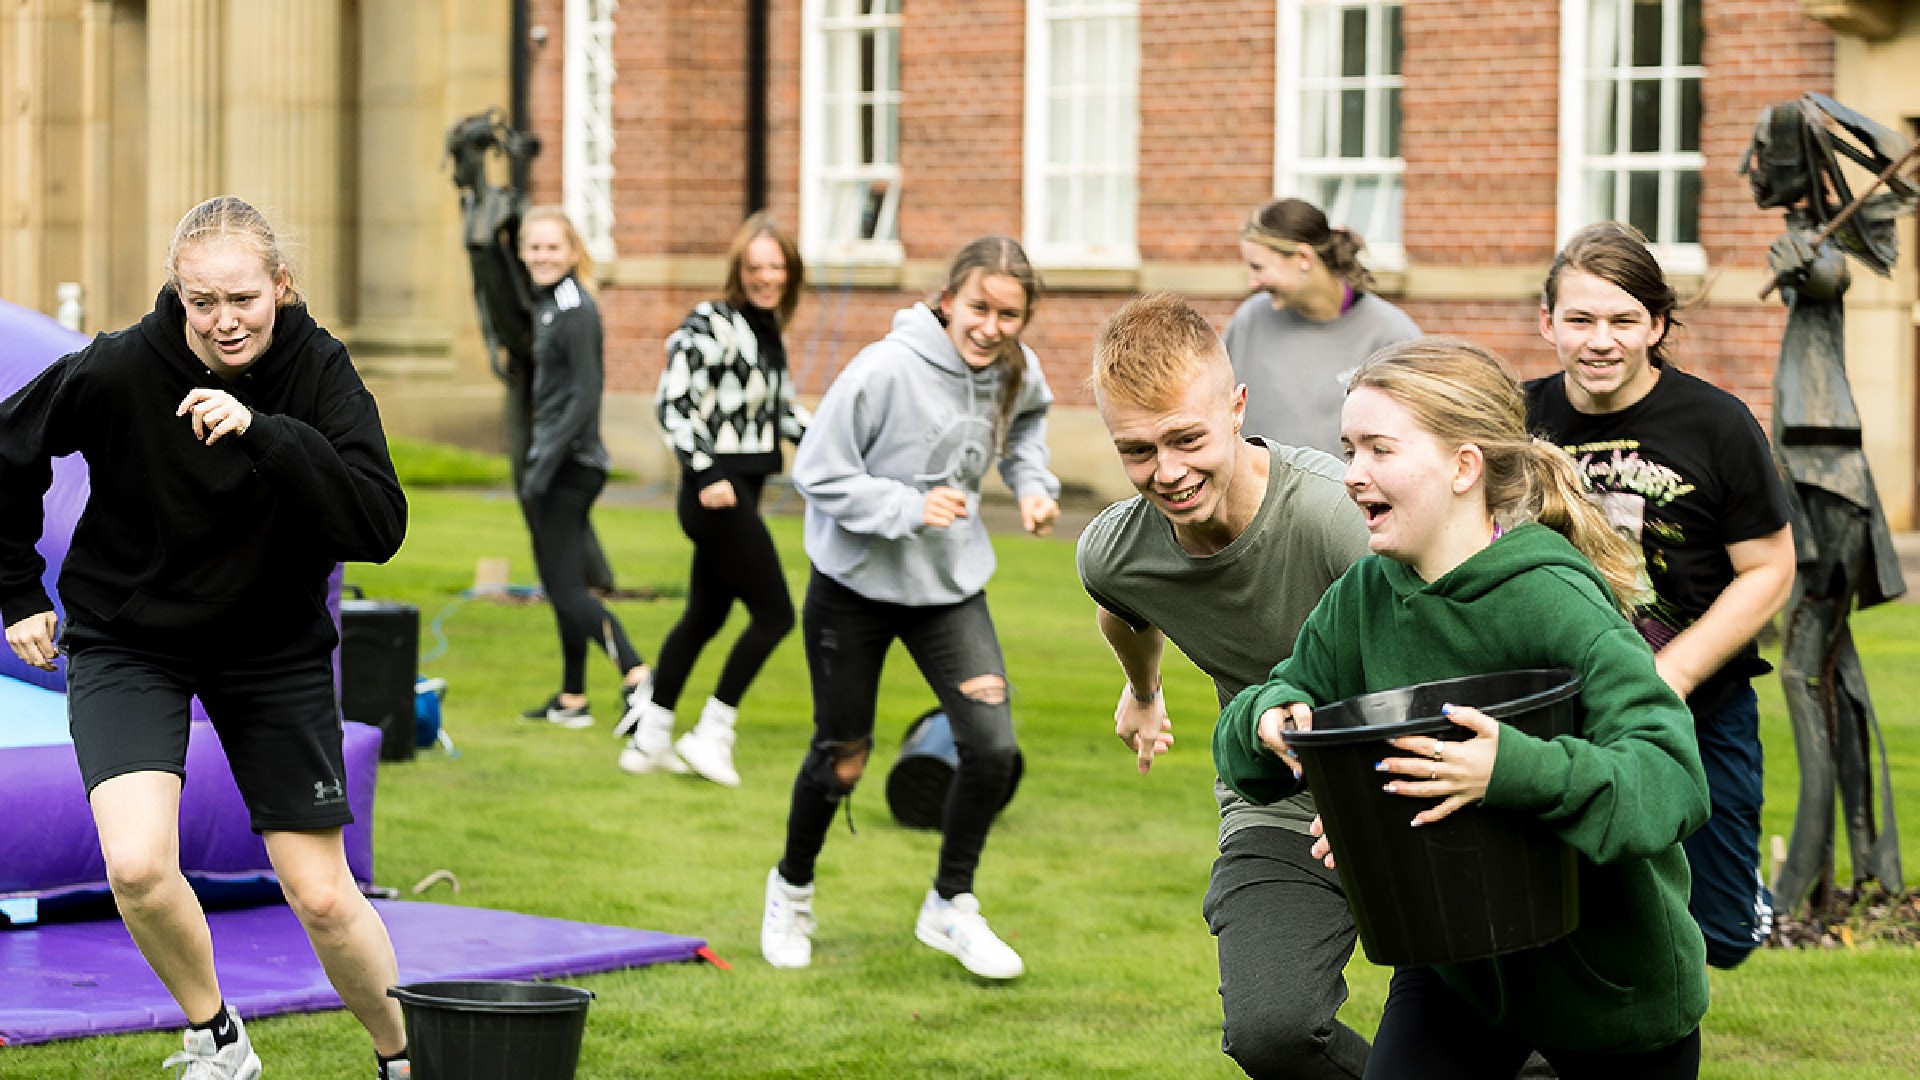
(639, 764)
(935, 939)
(714, 766)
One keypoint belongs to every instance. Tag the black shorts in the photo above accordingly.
(278, 719)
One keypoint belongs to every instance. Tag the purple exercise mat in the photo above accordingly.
(64, 981)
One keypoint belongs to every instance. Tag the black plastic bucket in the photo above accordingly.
(490, 1029)
(1474, 884)
(917, 786)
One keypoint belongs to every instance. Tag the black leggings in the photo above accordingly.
(733, 559)
(558, 523)
(1429, 1032)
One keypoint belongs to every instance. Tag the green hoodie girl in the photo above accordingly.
(1452, 487)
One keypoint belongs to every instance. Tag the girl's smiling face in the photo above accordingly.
(547, 251)
(985, 314)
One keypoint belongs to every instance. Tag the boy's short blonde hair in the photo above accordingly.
(1153, 349)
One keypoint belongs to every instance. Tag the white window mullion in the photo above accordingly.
(1081, 133)
(587, 124)
(1598, 48)
(1316, 138)
(850, 131)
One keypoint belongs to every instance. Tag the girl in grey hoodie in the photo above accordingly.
(891, 470)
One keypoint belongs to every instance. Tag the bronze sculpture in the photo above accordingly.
(1844, 547)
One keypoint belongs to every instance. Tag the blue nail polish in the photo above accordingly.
(1446, 710)
(1379, 766)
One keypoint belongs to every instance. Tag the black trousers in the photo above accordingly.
(1429, 1032)
(847, 638)
(558, 523)
(733, 559)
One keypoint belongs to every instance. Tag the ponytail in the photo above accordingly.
(1562, 504)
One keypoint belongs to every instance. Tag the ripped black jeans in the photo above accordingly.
(847, 637)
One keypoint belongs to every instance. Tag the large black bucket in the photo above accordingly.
(917, 786)
(488, 1029)
(1477, 883)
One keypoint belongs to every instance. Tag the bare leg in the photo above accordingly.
(138, 818)
(346, 932)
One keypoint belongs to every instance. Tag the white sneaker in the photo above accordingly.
(204, 1060)
(641, 762)
(957, 928)
(708, 750)
(638, 697)
(786, 925)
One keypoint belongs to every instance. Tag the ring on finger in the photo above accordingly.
(1439, 751)
(1433, 773)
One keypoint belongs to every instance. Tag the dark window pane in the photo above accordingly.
(1643, 131)
(870, 212)
(1393, 40)
(1353, 42)
(867, 121)
(1393, 124)
(1646, 33)
(1353, 123)
(868, 72)
(1686, 211)
(1690, 115)
(1643, 203)
(1691, 32)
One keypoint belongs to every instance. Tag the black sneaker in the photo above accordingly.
(565, 716)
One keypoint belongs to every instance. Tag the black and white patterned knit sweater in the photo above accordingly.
(726, 400)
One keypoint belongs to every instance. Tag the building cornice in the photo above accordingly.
(1874, 20)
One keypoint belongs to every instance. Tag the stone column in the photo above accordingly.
(185, 130)
(285, 108)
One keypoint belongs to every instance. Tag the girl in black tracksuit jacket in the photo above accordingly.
(566, 465)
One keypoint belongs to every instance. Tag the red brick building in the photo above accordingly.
(1124, 142)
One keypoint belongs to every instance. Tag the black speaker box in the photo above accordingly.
(379, 658)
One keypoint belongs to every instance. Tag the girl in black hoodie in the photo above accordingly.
(234, 457)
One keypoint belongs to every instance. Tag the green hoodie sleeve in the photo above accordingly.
(1244, 763)
(1631, 786)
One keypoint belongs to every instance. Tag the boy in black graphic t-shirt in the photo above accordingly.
(1683, 466)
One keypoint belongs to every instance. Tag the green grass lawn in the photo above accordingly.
(1095, 873)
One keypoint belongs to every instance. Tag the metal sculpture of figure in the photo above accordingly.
(502, 291)
(1844, 548)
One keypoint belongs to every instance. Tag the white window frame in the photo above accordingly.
(1576, 163)
(586, 140)
(1297, 175)
(826, 174)
(1120, 250)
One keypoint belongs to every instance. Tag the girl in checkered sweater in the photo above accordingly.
(725, 402)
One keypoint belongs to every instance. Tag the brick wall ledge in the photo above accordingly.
(1217, 280)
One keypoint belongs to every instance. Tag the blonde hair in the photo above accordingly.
(582, 258)
(227, 218)
(1151, 350)
(1000, 256)
(755, 227)
(1463, 393)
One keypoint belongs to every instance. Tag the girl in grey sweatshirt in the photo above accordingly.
(891, 470)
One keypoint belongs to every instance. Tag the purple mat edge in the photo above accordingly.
(637, 948)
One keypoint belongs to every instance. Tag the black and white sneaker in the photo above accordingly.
(565, 716)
